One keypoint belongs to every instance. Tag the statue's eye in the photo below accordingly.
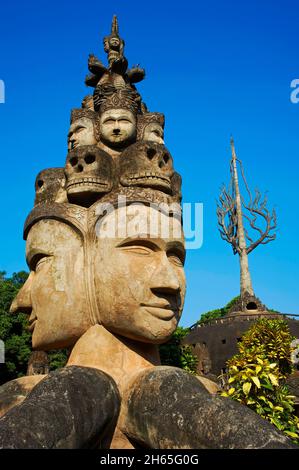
(38, 260)
(176, 258)
(138, 250)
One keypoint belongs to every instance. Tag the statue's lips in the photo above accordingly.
(163, 313)
(146, 179)
(88, 182)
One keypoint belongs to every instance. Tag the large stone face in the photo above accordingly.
(140, 292)
(54, 293)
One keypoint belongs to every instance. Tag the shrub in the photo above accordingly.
(256, 375)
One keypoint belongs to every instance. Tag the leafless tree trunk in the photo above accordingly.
(231, 218)
(245, 278)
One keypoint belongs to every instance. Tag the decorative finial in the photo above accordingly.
(114, 26)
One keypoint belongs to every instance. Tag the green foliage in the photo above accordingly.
(174, 354)
(13, 329)
(273, 339)
(218, 313)
(58, 358)
(256, 375)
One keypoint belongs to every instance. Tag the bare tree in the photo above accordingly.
(233, 213)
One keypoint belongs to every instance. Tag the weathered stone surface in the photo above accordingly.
(73, 408)
(14, 392)
(54, 294)
(146, 164)
(167, 408)
(84, 128)
(150, 126)
(143, 274)
(89, 174)
(210, 385)
(38, 363)
(50, 186)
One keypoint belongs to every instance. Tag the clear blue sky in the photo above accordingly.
(214, 68)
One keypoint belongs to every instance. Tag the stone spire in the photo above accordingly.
(118, 64)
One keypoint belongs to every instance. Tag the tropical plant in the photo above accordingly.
(256, 375)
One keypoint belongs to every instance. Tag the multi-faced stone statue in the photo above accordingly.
(84, 129)
(89, 174)
(77, 281)
(146, 164)
(150, 126)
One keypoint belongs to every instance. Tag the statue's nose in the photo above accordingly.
(22, 302)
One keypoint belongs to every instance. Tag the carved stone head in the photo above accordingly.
(84, 129)
(117, 128)
(150, 126)
(49, 185)
(146, 164)
(142, 273)
(89, 173)
(54, 294)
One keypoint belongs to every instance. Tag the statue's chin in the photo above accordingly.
(117, 144)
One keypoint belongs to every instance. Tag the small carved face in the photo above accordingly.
(81, 133)
(114, 43)
(146, 164)
(49, 185)
(88, 172)
(117, 128)
(154, 132)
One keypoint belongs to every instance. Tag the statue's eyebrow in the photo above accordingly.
(34, 253)
(144, 240)
(177, 246)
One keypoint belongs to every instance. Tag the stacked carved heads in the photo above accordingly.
(115, 148)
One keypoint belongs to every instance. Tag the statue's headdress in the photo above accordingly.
(148, 118)
(108, 97)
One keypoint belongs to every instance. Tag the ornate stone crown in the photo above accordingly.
(78, 113)
(108, 97)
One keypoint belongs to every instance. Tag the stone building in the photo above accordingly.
(216, 341)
